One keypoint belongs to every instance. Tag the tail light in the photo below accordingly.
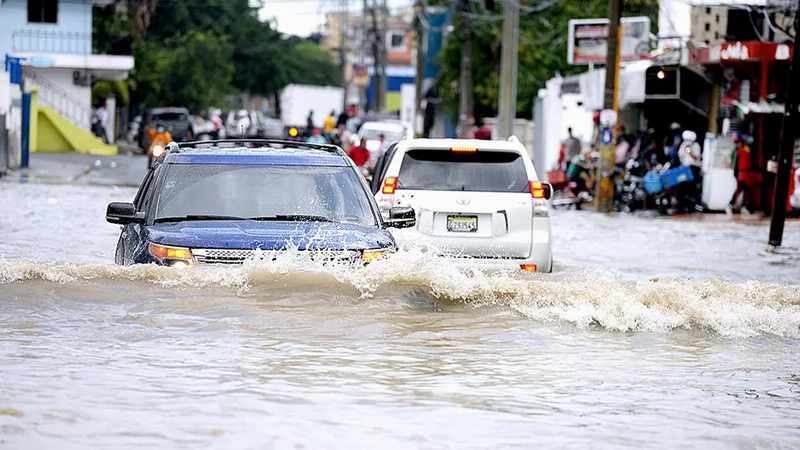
(463, 149)
(529, 267)
(540, 191)
(389, 185)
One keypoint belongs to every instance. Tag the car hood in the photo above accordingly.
(250, 235)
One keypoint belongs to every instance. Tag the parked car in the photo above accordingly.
(231, 200)
(392, 131)
(268, 127)
(474, 199)
(176, 120)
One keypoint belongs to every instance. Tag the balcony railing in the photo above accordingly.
(51, 41)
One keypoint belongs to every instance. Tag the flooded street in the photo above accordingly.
(651, 333)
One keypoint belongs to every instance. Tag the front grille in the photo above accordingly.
(237, 256)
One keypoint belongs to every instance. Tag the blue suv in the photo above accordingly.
(222, 202)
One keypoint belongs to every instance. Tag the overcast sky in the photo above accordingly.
(303, 17)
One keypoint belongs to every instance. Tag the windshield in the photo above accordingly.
(263, 192)
(440, 170)
(372, 134)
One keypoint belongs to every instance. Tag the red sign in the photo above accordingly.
(741, 51)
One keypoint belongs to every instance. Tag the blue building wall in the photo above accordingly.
(72, 33)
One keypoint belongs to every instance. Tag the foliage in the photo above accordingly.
(194, 53)
(102, 89)
(542, 50)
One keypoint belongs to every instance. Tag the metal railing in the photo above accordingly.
(51, 41)
(57, 98)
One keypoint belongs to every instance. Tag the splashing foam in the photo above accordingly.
(584, 298)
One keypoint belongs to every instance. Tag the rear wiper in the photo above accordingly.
(197, 217)
(294, 218)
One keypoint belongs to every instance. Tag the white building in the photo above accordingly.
(55, 38)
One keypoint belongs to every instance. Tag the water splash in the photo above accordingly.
(583, 298)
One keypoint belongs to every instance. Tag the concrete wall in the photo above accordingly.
(74, 16)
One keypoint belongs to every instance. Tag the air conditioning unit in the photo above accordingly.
(81, 78)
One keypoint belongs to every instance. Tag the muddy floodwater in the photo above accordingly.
(651, 333)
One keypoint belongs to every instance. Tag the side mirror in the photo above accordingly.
(122, 213)
(401, 217)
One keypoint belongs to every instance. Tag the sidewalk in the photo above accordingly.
(74, 168)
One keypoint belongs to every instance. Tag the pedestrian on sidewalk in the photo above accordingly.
(741, 161)
(100, 122)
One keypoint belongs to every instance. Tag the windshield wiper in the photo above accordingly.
(294, 218)
(198, 217)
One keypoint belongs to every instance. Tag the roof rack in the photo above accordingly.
(176, 147)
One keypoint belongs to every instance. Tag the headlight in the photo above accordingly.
(368, 256)
(158, 150)
(170, 255)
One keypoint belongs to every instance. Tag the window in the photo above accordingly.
(263, 191)
(708, 27)
(43, 11)
(397, 41)
(482, 171)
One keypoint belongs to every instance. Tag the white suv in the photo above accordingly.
(474, 199)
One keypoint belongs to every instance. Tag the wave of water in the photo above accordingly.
(584, 298)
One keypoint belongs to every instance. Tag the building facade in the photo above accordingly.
(53, 38)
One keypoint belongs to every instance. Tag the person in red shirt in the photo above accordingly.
(742, 168)
(359, 153)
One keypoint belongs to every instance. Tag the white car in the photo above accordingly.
(473, 199)
(392, 131)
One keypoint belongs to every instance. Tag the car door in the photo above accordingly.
(130, 237)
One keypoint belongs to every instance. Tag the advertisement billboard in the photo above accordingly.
(588, 40)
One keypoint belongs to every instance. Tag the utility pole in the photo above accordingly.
(343, 28)
(376, 57)
(788, 141)
(419, 29)
(465, 108)
(507, 104)
(384, 28)
(605, 169)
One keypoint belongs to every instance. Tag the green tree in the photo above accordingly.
(195, 52)
(542, 50)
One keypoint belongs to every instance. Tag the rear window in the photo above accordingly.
(439, 170)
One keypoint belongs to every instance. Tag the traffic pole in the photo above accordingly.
(605, 169)
(465, 111)
(788, 141)
(343, 27)
(419, 13)
(507, 104)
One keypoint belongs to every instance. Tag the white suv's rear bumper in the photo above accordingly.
(544, 263)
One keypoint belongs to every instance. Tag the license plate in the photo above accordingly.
(462, 224)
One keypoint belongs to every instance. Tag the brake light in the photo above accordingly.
(389, 185)
(463, 149)
(529, 267)
(539, 190)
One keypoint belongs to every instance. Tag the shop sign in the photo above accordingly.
(742, 51)
(588, 40)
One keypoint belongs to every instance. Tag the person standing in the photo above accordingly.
(310, 122)
(742, 161)
(329, 123)
(316, 137)
(360, 155)
(572, 145)
(690, 155)
(100, 122)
